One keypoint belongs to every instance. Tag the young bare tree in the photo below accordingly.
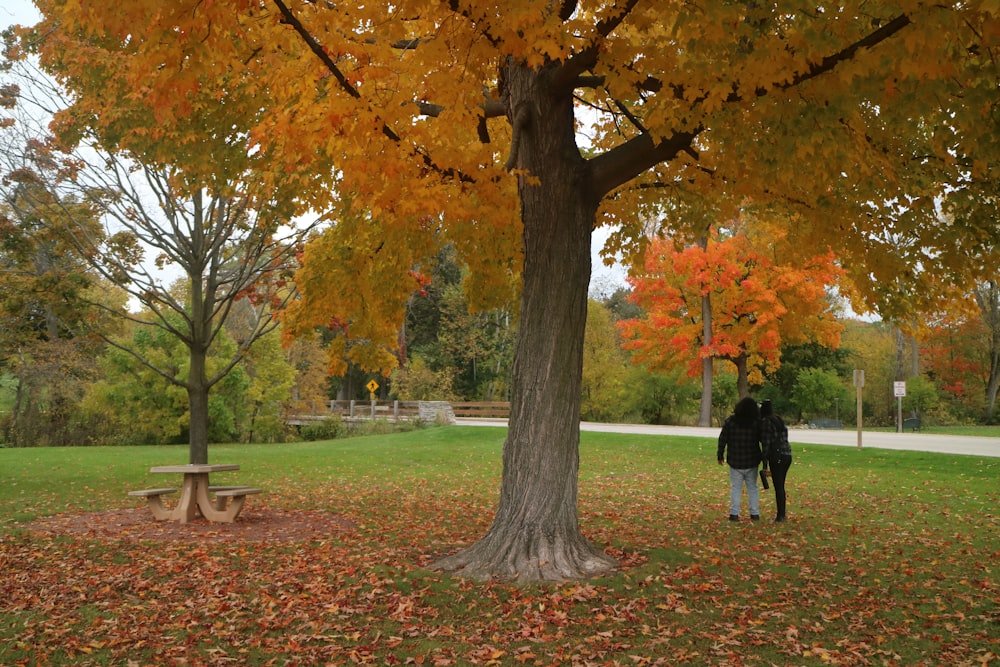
(180, 206)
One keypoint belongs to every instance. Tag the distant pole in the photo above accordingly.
(859, 383)
(899, 389)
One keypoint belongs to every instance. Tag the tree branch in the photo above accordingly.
(620, 165)
(830, 62)
(654, 85)
(586, 59)
(567, 9)
(627, 161)
(317, 49)
(521, 119)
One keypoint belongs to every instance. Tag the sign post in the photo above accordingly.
(859, 383)
(899, 390)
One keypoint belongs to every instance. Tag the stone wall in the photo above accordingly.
(436, 411)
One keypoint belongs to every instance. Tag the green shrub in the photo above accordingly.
(330, 428)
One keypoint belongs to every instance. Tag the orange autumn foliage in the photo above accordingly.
(759, 304)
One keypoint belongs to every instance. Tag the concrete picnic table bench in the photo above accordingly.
(195, 494)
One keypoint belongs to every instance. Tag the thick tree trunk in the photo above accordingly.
(535, 535)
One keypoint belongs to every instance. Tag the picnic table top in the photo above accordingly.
(196, 468)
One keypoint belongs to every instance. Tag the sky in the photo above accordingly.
(603, 279)
(17, 11)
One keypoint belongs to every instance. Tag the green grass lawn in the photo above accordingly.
(889, 558)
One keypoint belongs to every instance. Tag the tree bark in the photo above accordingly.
(742, 375)
(705, 416)
(988, 300)
(707, 375)
(197, 388)
(535, 535)
(200, 337)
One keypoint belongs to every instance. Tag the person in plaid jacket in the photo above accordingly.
(739, 446)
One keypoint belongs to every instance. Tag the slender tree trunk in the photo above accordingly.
(197, 387)
(535, 534)
(988, 300)
(742, 376)
(900, 350)
(992, 388)
(201, 325)
(705, 417)
(14, 431)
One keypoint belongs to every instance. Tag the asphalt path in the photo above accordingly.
(919, 442)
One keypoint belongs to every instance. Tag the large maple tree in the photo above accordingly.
(459, 121)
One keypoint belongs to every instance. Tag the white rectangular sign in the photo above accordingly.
(899, 389)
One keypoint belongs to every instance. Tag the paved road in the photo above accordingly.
(923, 442)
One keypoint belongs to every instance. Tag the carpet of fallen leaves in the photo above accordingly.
(851, 579)
(254, 525)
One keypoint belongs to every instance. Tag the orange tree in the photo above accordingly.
(960, 349)
(457, 121)
(757, 304)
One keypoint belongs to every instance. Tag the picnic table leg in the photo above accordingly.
(159, 510)
(187, 506)
(218, 511)
(235, 507)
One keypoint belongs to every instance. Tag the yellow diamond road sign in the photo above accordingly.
(372, 386)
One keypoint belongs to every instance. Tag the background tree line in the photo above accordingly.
(60, 388)
(81, 365)
(73, 373)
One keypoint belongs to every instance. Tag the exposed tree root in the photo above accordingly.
(528, 556)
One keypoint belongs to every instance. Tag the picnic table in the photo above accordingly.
(195, 494)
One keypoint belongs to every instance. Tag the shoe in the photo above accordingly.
(779, 519)
(755, 517)
(734, 517)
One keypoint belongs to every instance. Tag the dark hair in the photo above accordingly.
(746, 411)
(766, 409)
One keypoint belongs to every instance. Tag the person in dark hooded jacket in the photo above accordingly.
(739, 446)
(777, 454)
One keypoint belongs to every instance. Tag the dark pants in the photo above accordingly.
(779, 471)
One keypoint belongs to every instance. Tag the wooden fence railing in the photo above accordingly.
(393, 410)
(428, 411)
(361, 410)
(483, 409)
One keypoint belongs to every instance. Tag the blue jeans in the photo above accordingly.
(737, 478)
